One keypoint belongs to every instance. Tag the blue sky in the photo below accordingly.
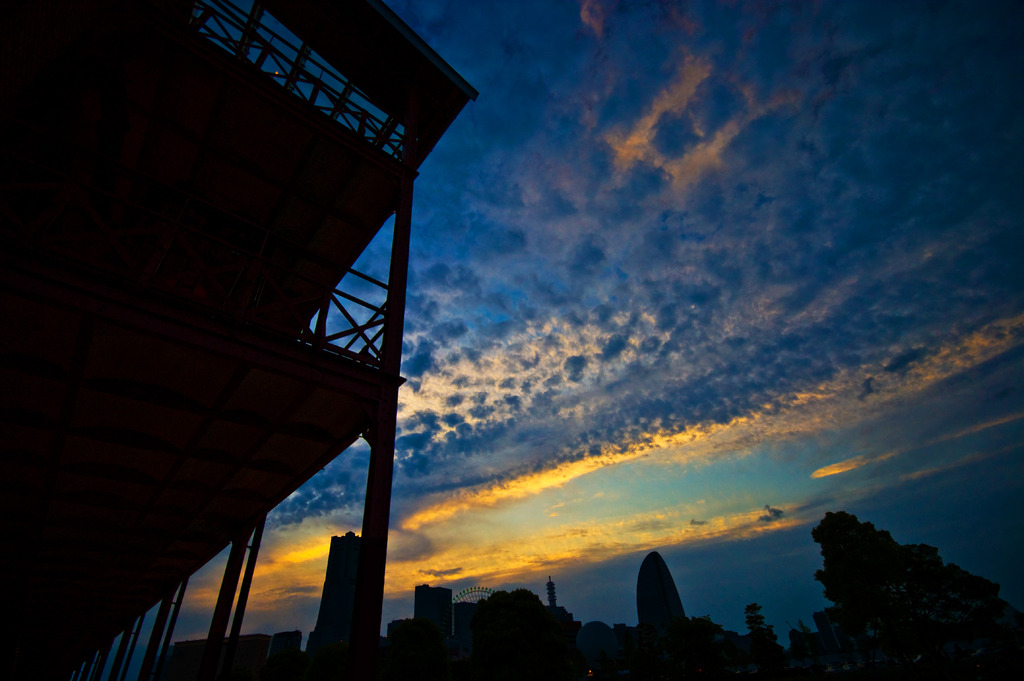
(685, 277)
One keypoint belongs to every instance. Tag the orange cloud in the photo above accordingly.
(858, 461)
(592, 14)
(501, 560)
(848, 465)
(638, 144)
(533, 483)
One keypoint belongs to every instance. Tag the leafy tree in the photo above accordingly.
(515, 637)
(643, 657)
(286, 665)
(903, 593)
(417, 652)
(329, 663)
(765, 651)
(697, 648)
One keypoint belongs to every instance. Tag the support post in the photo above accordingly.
(243, 594)
(122, 647)
(154, 636)
(131, 645)
(219, 624)
(97, 673)
(373, 545)
(90, 666)
(145, 674)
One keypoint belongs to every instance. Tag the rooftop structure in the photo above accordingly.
(185, 187)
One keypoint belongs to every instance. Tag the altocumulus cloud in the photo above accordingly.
(679, 231)
(788, 255)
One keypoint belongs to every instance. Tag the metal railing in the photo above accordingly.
(252, 34)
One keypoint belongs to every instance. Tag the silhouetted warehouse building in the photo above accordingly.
(184, 189)
(187, 656)
(285, 640)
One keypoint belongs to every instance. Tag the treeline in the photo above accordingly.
(900, 601)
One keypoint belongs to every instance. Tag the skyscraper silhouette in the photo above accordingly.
(334, 621)
(435, 604)
(657, 600)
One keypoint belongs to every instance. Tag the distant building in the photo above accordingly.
(186, 657)
(623, 632)
(657, 600)
(741, 641)
(829, 643)
(435, 604)
(462, 614)
(285, 640)
(393, 624)
(597, 642)
(570, 626)
(334, 621)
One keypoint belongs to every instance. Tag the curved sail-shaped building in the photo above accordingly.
(657, 600)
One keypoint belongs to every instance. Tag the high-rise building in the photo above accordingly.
(285, 640)
(435, 604)
(657, 600)
(334, 621)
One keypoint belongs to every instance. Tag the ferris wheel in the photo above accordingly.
(472, 594)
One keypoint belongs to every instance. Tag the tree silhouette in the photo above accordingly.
(329, 663)
(286, 665)
(417, 652)
(515, 638)
(644, 655)
(765, 651)
(904, 594)
(696, 648)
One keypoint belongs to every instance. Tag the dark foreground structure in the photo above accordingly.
(184, 189)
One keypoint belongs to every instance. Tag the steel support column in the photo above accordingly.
(219, 624)
(85, 668)
(154, 636)
(122, 647)
(373, 545)
(131, 645)
(147, 672)
(243, 594)
(97, 672)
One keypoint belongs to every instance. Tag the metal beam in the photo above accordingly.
(243, 594)
(154, 636)
(373, 546)
(131, 645)
(219, 624)
(146, 674)
(122, 648)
